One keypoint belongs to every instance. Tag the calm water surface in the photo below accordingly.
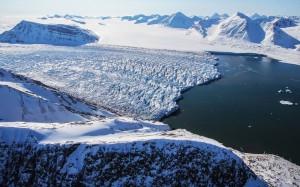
(242, 110)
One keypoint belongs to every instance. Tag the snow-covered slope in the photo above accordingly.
(35, 33)
(115, 152)
(200, 29)
(137, 82)
(241, 27)
(156, 20)
(140, 18)
(273, 169)
(283, 22)
(276, 36)
(219, 16)
(22, 99)
(144, 19)
(121, 151)
(177, 20)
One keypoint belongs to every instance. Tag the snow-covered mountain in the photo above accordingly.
(67, 16)
(219, 16)
(131, 18)
(257, 16)
(195, 18)
(177, 20)
(208, 21)
(199, 28)
(36, 33)
(254, 29)
(241, 27)
(237, 27)
(283, 22)
(156, 20)
(276, 36)
(23, 99)
(144, 19)
(140, 18)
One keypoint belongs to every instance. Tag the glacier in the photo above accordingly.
(129, 81)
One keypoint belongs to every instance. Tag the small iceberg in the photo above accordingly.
(286, 102)
(288, 91)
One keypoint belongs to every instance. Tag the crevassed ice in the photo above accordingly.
(135, 82)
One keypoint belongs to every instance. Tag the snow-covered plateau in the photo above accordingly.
(77, 115)
(56, 34)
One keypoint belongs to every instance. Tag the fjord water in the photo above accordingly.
(242, 110)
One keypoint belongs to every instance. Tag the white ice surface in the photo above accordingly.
(136, 82)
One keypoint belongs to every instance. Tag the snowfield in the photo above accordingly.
(129, 81)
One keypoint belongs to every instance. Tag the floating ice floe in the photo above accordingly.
(286, 90)
(286, 102)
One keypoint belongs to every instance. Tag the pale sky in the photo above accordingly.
(132, 7)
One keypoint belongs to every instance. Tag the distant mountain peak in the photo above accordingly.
(241, 15)
(178, 20)
(219, 16)
(216, 15)
(179, 14)
(258, 16)
(239, 26)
